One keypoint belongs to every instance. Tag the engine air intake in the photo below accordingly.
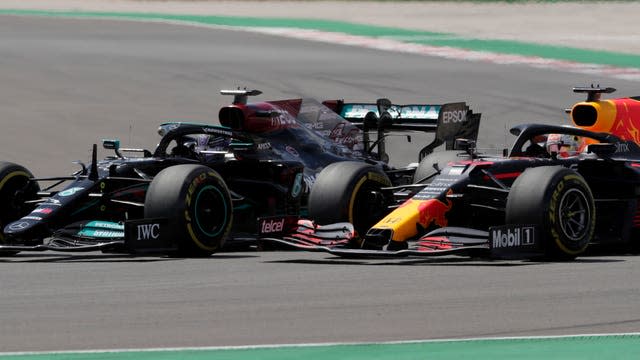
(584, 115)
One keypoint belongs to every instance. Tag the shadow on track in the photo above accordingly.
(475, 262)
(107, 258)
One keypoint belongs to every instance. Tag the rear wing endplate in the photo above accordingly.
(455, 121)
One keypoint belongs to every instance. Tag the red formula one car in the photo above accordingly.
(555, 192)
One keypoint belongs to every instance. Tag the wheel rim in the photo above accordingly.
(210, 211)
(575, 215)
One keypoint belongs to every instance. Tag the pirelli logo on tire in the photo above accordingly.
(201, 178)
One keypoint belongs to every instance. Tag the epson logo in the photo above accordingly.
(148, 231)
(512, 237)
(272, 226)
(455, 116)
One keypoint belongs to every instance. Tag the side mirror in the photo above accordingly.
(111, 144)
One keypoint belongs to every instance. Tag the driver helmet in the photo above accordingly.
(564, 145)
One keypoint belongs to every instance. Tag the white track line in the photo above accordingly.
(274, 346)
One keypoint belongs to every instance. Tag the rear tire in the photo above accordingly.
(349, 191)
(15, 190)
(560, 202)
(196, 201)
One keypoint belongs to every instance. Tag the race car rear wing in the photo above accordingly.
(410, 117)
(450, 121)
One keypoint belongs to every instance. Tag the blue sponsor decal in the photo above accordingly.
(102, 229)
(106, 234)
(105, 225)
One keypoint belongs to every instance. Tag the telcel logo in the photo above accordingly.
(512, 237)
(148, 231)
(272, 226)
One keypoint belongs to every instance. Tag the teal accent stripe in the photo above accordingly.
(578, 347)
(409, 36)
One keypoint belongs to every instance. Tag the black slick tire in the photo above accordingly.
(15, 189)
(560, 202)
(197, 204)
(349, 191)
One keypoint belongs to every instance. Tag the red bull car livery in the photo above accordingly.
(557, 190)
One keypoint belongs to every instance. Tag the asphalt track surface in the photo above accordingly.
(69, 83)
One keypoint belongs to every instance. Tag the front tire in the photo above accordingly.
(560, 202)
(197, 203)
(15, 189)
(349, 191)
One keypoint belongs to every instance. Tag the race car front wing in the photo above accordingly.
(133, 236)
(500, 242)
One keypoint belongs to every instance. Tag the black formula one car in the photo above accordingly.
(205, 184)
(557, 190)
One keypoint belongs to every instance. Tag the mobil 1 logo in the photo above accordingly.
(514, 241)
(512, 236)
